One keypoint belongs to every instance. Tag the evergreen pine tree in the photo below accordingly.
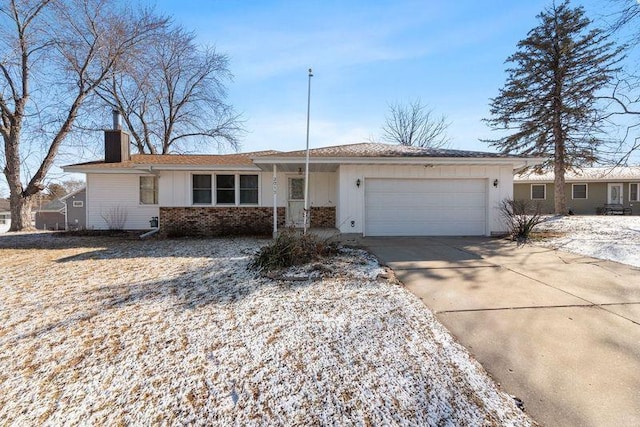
(548, 105)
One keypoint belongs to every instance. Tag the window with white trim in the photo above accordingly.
(79, 203)
(248, 189)
(4, 218)
(225, 189)
(579, 191)
(148, 191)
(229, 189)
(538, 191)
(634, 192)
(201, 189)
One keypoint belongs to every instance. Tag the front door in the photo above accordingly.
(295, 205)
(615, 194)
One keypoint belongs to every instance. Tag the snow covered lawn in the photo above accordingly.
(112, 331)
(616, 238)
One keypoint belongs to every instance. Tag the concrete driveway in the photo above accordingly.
(559, 331)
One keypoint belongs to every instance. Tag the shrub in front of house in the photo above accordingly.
(291, 248)
(521, 217)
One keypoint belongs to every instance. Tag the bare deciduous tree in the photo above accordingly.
(626, 14)
(625, 96)
(172, 96)
(55, 53)
(415, 124)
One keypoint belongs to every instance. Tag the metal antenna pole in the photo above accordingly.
(306, 166)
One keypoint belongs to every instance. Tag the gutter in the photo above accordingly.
(402, 160)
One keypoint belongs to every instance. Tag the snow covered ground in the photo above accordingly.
(116, 331)
(615, 238)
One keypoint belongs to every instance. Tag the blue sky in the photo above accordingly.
(365, 55)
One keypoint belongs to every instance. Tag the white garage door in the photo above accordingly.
(425, 207)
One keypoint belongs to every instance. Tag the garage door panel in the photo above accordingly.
(434, 228)
(438, 213)
(419, 200)
(425, 207)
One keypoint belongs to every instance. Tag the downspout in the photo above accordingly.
(149, 233)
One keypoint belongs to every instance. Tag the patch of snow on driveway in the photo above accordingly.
(615, 238)
(104, 331)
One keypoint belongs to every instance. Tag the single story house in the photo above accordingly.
(51, 216)
(368, 189)
(75, 211)
(587, 190)
(5, 216)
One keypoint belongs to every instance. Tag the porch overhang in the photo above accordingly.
(297, 165)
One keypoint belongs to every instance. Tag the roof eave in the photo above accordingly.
(137, 169)
(518, 162)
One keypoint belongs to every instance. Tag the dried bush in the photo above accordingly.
(290, 248)
(521, 217)
(115, 217)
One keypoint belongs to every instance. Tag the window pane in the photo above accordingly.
(226, 189)
(202, 181)
(226, 197)
(202, 196)
(296, 189)
(148, 191)
(537, 191)
(580, 191)
(225, 182)
(249, 197)
(633, 192)
(202, 189)
(249, 189)
(249, 181)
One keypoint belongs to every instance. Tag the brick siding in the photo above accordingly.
(219, 221)
(323, 216)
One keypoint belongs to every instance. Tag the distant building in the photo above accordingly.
(76, 209)
(588, 191)
(5, 216)
(51, 216)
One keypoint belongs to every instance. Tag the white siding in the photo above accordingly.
(175, 187)
(322, 188)
(7, 222)
(107, 193)
(351, 215)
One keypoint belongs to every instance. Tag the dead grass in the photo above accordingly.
(546, 234)
(114, 331)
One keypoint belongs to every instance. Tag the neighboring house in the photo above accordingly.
(368, 189)
(5, 216)
(587, 190)
(75, 209)
(51, 216)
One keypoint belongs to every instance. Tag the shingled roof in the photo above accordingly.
(240, 159)
(611, 173)
(373, 149)
(367, 150)
(52, 206)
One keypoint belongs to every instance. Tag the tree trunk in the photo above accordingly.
(21, 213)
(559, 196)
(19, 205)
